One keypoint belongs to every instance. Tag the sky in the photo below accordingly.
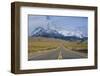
(62, 24)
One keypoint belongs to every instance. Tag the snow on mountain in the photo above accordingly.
(72, 33)
(48, 32)
(40, 31)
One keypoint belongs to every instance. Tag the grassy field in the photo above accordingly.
(40, 44)
(77, 46)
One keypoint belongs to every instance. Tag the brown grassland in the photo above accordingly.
(40, 44)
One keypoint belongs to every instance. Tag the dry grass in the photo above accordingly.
(41, 44)
(76, 45)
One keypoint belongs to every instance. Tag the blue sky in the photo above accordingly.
(59, 23)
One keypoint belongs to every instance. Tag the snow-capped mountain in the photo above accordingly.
(39, 31)
(73, 33)
(51, 33)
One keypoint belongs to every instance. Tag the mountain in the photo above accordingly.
(39, 31)
(72, 33)
(51, 33)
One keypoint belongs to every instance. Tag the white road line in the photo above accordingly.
(60, 55)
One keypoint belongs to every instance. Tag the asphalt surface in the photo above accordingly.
(59, 53)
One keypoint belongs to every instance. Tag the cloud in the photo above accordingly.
(59, 23)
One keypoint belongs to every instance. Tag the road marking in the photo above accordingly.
(60, 55)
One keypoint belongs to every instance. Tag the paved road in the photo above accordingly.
(59, 53)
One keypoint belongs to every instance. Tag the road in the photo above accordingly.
(59, 53)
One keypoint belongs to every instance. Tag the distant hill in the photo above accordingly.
(50, 33)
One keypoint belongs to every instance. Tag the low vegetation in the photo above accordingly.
(40, 44)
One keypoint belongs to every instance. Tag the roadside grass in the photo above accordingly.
(77, 46)
(41, 44)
